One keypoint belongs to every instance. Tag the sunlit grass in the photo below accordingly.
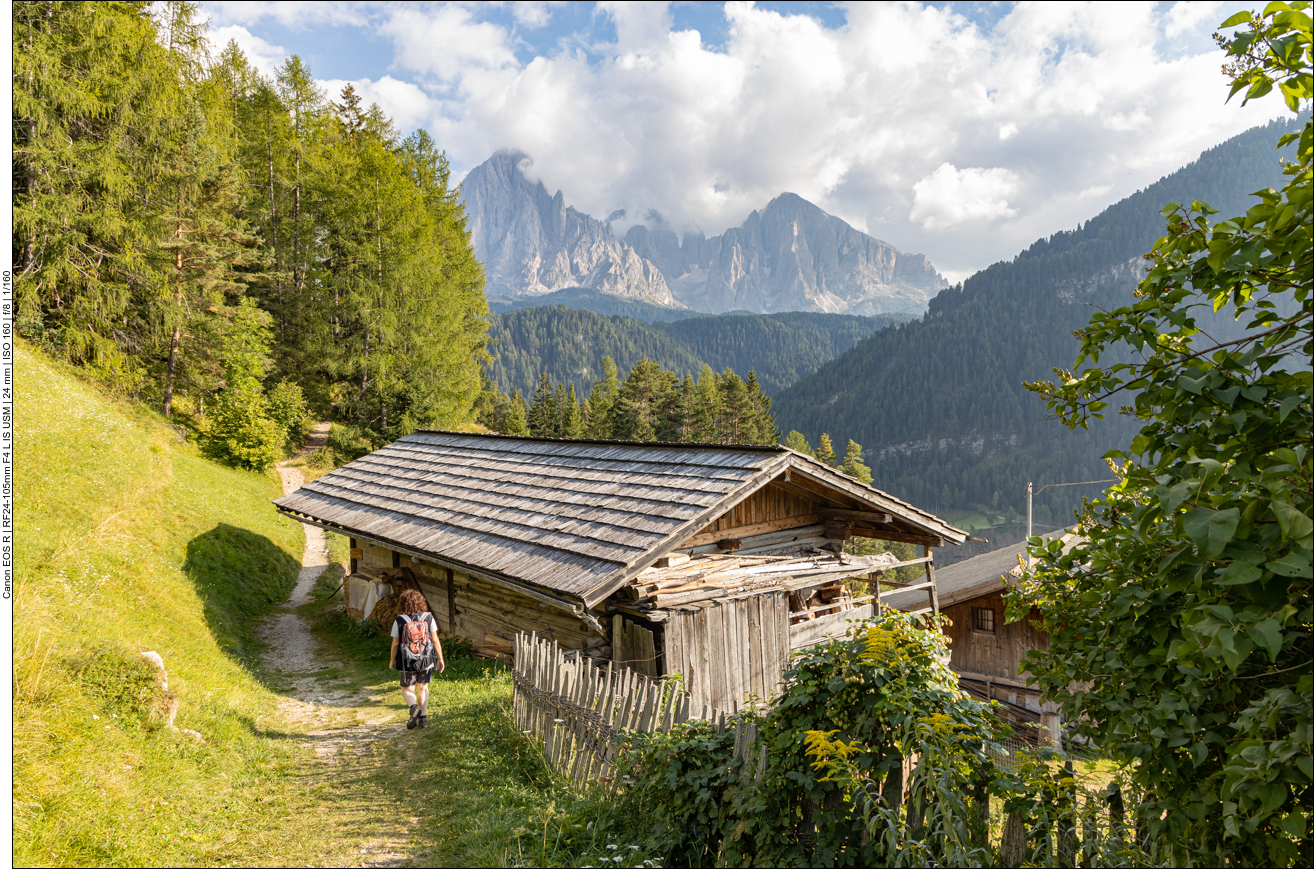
(128, 542)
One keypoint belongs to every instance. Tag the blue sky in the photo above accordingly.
(960, 130)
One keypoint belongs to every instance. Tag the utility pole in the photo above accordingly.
(1031, 490)
(1031, 493)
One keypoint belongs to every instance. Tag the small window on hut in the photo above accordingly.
(983, 619)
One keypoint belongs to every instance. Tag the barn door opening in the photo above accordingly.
(730, 650)
(633, 646)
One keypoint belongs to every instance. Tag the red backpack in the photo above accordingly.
(416, 653)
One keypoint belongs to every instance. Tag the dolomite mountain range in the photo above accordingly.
(789, 256)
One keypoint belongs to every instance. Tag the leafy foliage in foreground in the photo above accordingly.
(828, 787)
(1180, 627)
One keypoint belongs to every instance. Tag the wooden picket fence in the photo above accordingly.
(579, 708)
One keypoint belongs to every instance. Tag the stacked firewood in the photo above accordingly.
(712, 577)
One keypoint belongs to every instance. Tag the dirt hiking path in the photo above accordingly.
(347, 728)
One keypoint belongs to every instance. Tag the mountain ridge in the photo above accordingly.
(789, 255)
(938, 403)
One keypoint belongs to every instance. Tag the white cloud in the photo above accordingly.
(950, 196)
(532, 15)
(447, 42)
(1069, 106)
(264, 56)
(1187, 15)
(295, 14)
(407, 105)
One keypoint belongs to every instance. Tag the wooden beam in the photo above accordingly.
(898, 537)
(739, 533)
(997, 680)
(930, 579)
(856, 515)
(451, 600)
(677, 539)
(801, 485)
(812, 492)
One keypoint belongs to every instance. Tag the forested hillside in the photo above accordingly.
(569, 345)
(220, 244)
(939, 403)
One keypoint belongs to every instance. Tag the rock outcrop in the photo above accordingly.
(531, 242)
(790, 256)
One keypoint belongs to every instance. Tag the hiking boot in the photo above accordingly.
(424, 720)
(415, 718)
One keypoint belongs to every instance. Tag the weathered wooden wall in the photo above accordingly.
(728, 650)
(487, 614)
(997, 654)
(770, 504)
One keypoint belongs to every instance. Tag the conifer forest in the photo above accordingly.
(236, 250)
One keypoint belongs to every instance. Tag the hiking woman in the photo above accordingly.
(415, 652)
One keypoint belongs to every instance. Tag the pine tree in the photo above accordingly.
(544, 414)
(638, 413)
(852, 464)
(825, 451)
(798, 443)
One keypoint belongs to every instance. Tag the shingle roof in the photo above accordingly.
(968, 579)
(568, 516)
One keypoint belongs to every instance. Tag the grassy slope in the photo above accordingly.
(128, 541)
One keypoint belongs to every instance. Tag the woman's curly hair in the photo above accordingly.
(413, 602)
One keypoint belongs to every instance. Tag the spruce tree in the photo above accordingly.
(707, 408)
(601, 399)
(825, 451)
(764, 429)
(852, 464)
(544, 414)
(516, 416)
(738, 422)
(572, 420)
(799, 444)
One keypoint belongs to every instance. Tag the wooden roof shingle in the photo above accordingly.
(572, 517)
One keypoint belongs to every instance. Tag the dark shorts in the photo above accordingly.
(409, 680)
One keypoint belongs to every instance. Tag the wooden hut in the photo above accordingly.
(706, 560)
(986, 653)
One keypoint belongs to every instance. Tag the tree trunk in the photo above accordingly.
(173, 367)
(1013, 847)
(298, 273)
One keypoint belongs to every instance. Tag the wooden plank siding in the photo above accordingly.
(995, 654)
(769, 504)
(488, 615)
(730, 650)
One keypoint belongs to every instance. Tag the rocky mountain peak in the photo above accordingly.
(789, 256)
(531, 242)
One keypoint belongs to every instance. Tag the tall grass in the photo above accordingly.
(128, 541)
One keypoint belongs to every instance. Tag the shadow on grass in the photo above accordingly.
(239, 576)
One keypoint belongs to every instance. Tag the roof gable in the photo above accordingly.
(573, 517)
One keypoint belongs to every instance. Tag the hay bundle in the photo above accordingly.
(386, 610)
